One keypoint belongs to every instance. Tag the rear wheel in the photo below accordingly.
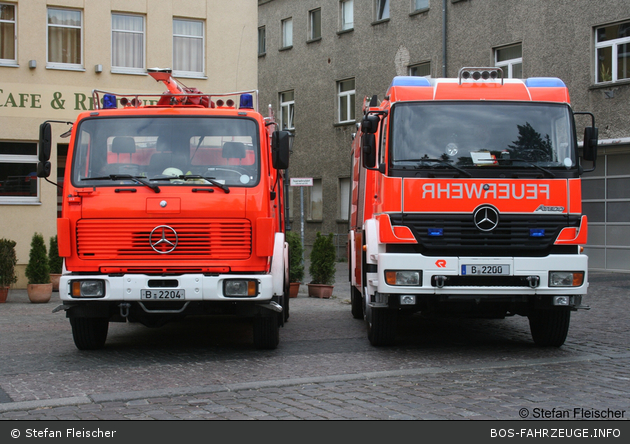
(549, 328)
(89, 333)
(382, 326)
(356, 301)
(266, 332)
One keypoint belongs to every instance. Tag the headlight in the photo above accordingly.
(87, 289)
(240, 288)
(403, 277)
(566, 278)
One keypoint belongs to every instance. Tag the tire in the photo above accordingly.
(356, 300)
(266, 332)
(89, 333)
(382, 326)
(549, 328)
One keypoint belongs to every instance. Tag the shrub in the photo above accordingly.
(296, 250)
(323, 258)
(8, 260)
(54, 261)
(38, 270)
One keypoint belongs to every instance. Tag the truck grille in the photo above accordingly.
(461, 237)
(129, 239)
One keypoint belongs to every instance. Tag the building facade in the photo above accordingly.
(319, 59)
(53, 54)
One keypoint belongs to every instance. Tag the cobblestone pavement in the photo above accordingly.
(324, 368)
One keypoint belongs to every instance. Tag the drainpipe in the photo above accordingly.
(444, 38)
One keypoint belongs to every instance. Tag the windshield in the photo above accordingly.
(166, 151)
(465, 135)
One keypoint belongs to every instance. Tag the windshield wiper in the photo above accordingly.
(544, 170)
(210, 180)
(136, 179)
(439, 162)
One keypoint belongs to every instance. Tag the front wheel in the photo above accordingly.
(266, 332)
(89, 333)
(381, 323)
(549, 328)
(356, 302)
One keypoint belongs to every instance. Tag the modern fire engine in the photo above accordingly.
(173, 205)
(466, 201)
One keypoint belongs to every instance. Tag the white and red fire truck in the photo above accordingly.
(466, 200)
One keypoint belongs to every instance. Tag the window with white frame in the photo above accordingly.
(188, 47)
(344, 198)
(419, 5)
(128, 47)
(316, 206)
(420, 70)
(262, 40)
(315, 24)
(346, 15)
(287, 33)
(65, 29)
(8, 34)
(345, 100)
(18, 173)
(287, 109)
(510, 59)
(612, 44)
(382, 9)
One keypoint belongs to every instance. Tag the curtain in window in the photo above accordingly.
(7, 32)
(188, 46)
(127, 41)
(64, 36)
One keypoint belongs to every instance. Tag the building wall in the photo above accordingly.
(557, 38)
(29, 96)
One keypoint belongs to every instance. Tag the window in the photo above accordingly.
(510, 59)
(315, 24)
(419, 5)
(287, 33)
(18, 172)
(262, 40)
(382, 10)
(612, 44)
(316, 207)
(344, 198)
(347, 15)
(345, 100)
(65, 27)
(287, 106)
(188, 48)
(8, 34)
(128, 43)
(420, 70)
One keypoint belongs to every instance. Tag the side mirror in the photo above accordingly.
(369, 124)
(45, 142)
(591, 135)
(368, 147)
(43, 169)
(280, 147)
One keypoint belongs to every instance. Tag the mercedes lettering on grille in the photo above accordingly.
(163, 239)
(486, 218)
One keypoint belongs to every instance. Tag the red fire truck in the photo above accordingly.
(173, 205)
(466, 201)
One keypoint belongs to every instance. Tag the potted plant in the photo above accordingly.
(322, 266)
(296, 267)
(8, 260)
(54, 262)
(39, 288)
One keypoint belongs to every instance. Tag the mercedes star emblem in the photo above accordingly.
(486, 218)
(163, 239)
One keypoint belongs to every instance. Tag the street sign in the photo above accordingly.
(301, 181)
